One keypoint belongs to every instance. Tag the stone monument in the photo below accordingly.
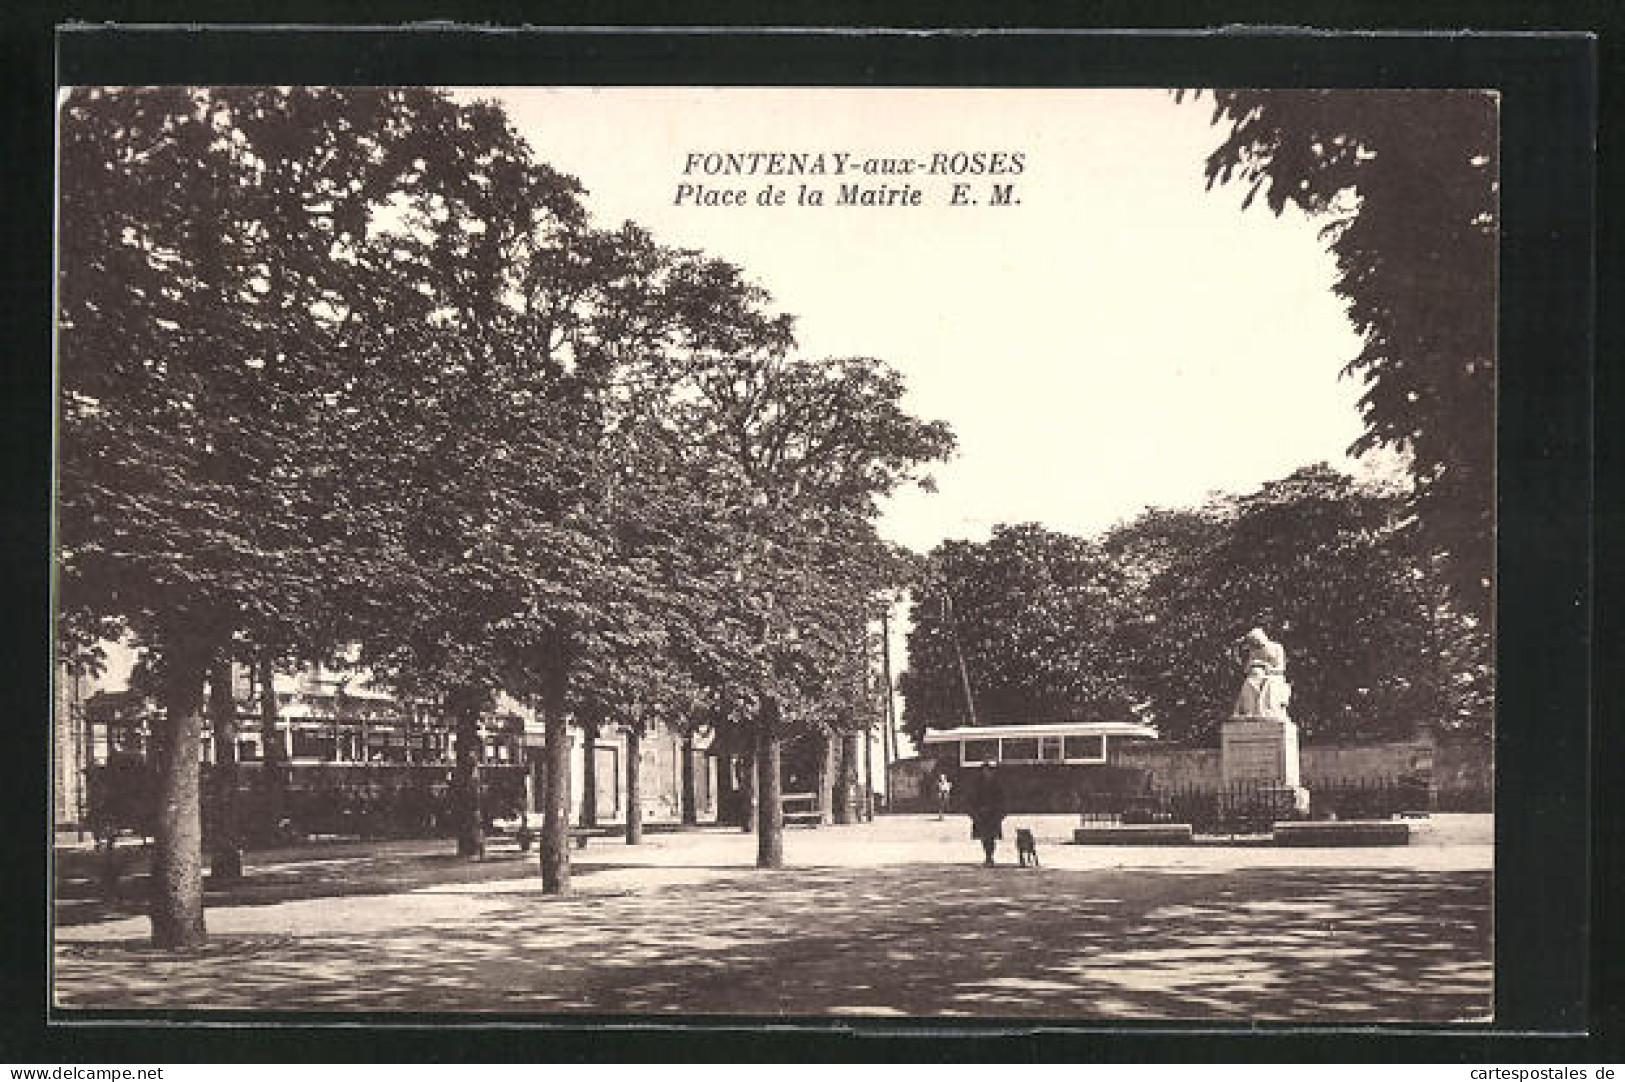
(1259, 743)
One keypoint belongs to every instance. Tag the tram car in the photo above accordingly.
(1043, 767)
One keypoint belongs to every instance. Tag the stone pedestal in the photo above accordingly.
(1259, 751)
(1261, 754)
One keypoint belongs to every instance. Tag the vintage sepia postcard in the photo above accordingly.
(767, 552)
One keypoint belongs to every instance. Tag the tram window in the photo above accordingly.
(1022, 750)
(980, 751)
(1086, 748)
(384, 747)
(309, 745)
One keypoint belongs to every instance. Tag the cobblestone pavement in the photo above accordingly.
(883, 919)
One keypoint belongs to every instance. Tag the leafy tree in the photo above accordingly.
(1314, 558)
(225, 284)
(1161, 554)
(156, 468)
(1376, 648)
(809, 447)
(458, 515)
(639, 323)
(1031, 612)
(374, 379)
(669, 368)
(1406, 182)
(636, 651)
(513, 527)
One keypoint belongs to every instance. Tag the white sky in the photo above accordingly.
(1120, 339)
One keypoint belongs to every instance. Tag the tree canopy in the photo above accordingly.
(1407, 185)
(1028, 612)
(1145, 622)
(352, 366)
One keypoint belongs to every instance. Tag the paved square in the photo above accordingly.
(883, 919)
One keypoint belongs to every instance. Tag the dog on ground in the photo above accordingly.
(1026, 848)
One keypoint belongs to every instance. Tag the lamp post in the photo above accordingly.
(888, 742)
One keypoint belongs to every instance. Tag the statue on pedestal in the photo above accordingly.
(1264, 690)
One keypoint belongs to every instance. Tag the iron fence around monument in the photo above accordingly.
(1255, 807)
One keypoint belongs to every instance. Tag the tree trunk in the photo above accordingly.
(888, 733)
(177, 858)
(589, 774)
(769, 796)
(273, 764)
(824, 779)
(225, 839)
(555, 847)
(747, 792)
(634, 786)
(846, 780)
(868, 774)
(465, 780)
(689, 798)
(888, 755)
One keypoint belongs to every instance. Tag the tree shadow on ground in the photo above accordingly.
(81, 896)
(1279, 944)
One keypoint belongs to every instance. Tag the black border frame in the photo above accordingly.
(1549, 103)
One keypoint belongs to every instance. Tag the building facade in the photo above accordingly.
(347, 742)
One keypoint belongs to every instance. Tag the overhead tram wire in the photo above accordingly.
(959, 654)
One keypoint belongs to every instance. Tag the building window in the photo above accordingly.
(1049, 749)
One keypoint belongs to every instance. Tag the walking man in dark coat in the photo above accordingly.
(987, 810)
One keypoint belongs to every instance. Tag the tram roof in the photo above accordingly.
(1048, 728)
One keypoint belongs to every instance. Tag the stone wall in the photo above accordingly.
(1462, 772)
(660, 777)
(1452, 764)
(1172, 767)
(1387, 760)
(1463, 775)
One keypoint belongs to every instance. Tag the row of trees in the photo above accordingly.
(1145, 620)
(351, 366)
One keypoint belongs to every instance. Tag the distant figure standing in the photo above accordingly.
(945, 789)
(987, 810)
